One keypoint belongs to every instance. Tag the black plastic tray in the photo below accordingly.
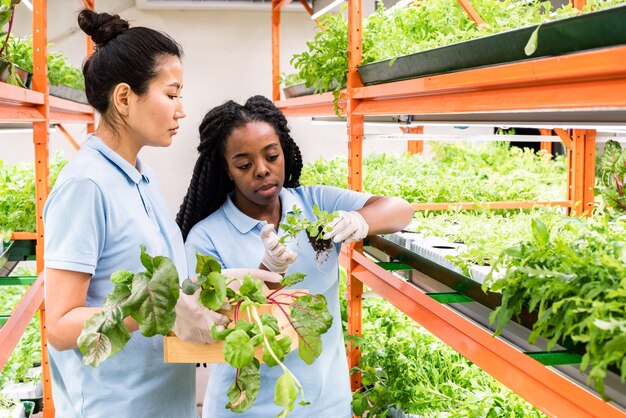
(588, 31)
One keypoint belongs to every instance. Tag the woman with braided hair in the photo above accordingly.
(245, 182)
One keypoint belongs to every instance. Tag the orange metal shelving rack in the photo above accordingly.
(36, 106)
(554, 84)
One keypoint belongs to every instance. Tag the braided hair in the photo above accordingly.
(210, 184)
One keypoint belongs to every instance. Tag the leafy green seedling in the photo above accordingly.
(315, 230)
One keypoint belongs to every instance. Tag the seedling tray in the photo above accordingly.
(588, 31)
(298, 90)
(68, 93)
(177, 350)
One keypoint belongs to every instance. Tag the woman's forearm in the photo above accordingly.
(63, 333)
(386, 214)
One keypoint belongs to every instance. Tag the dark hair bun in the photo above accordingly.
(102, 27)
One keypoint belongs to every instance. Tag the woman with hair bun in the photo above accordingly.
(104, 206)
(246, 180)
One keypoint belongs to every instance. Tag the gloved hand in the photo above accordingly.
(347, 227)
(239, 274)
(194, 321)
(277, 256)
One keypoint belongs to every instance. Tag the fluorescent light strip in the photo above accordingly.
(326, 9)
(28, 4)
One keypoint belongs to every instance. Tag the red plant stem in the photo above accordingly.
(8, 31)
(276, 290)
(275, 302)
(237, 314)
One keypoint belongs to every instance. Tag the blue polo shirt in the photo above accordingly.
(234, 239)
(99, 213)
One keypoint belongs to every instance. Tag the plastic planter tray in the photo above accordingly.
(68, 93)
(13, 253)
(29, 406)
(298, 90)
(4, 253)
(588, 31)
(24, 75)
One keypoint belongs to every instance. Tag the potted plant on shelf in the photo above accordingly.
(10, 72)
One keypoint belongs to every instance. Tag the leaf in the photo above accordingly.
(95, 346)
(292, 279)
(533, 41)
(244, 390)
(238, 349)
(189, 287)
(146, 260)
(310, 318)
(220, 335)
(253, 289)
(277, 348)
(213, 293)
(285, 393)
(207, 264)
(540, 232)
(153, 299)
(122, 277)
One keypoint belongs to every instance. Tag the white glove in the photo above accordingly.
(277, 256)
(347, 227)
(194, 320)
(239, 274)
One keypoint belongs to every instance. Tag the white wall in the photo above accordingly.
(227, 56)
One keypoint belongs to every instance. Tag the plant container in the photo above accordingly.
(24, 75)
(68, 93)
(180, 351)
(588, 31)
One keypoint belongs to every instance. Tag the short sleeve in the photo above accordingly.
(75, 225)
(331, 199)
(198, 241)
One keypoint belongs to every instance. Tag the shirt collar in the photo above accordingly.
(244, 223)
(135, 174)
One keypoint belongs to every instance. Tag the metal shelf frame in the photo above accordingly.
(38, 107)
(556, 90)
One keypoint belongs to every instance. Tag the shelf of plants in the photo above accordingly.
(25, 189)
(579, 85)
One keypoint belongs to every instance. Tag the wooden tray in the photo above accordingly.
(179, 351)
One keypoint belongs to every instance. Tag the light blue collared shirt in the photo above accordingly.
(234, 239)
(99, 213)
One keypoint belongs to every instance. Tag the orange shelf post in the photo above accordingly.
(546, 145)
(42, 181)
(415, 146)
(355, 175)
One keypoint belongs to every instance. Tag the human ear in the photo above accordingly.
(121, 98)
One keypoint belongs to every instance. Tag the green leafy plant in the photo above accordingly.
(456, 172)
(611, 176)
(150, 298)
(17, 195)
(291, 79)
(573, 273)
(19, 51)
(308, 315)
(315, 230)
(405, 367)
